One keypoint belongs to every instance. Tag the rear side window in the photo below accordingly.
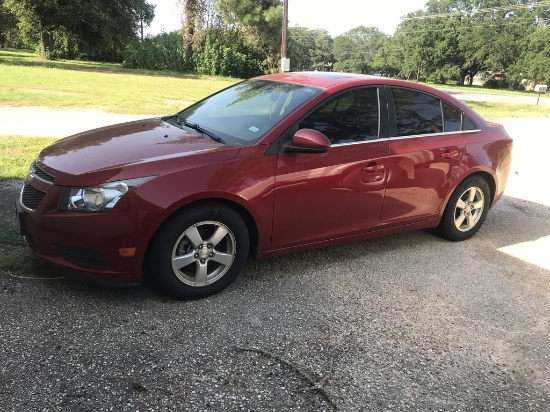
(416, 113)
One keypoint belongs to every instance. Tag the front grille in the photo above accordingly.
(31, 197)
(41, 174)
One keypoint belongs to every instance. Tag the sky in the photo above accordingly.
(336, 17)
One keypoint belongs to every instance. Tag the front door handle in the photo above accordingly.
(449, 154)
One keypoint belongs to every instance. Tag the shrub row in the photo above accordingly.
(165, 52)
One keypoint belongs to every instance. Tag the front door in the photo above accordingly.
(341, 192)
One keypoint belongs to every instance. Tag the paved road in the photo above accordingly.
(406, 322)
(474, 96)
(39, 121)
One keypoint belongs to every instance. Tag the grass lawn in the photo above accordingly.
(17, 153)
(495, 111)
(28, 81)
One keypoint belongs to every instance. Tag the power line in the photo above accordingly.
(462, 28)
(459, 13)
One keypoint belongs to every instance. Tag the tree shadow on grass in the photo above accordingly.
(14, 60)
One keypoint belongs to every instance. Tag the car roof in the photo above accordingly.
(323, 80)
(334, 81)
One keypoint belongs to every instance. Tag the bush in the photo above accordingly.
(161, 52)
(216, 59)
(212, 57)
(496, 84)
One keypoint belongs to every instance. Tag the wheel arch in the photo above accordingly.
(488, 177)
(247, 217)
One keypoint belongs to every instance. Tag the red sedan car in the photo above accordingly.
(275, 164)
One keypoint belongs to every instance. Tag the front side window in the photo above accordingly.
(352, 116)
(242, 114)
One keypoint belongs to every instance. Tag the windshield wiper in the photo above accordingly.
(202, 130)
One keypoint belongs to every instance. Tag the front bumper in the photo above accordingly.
(85, 243)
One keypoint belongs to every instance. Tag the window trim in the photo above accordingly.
(415, 136)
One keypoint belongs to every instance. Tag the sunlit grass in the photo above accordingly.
(480, 89)
(495, 111)
(17, 153)
(28, 81)
(15, 256)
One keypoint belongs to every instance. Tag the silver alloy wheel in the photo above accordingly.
(469, 209)
(203, 253)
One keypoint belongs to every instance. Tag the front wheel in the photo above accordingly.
(466, 210)
(200, 251)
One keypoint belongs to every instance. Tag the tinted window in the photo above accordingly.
(350, 117)
(242, 114)
(452, 118)
(416, 113)
(467, 124)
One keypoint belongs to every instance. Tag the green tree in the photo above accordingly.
(534, 61)
(260, 22)
(354, 50)
(322, 55)
(301, 42)
(410, 51)
(309, 49)
(8, 24)
(84, 23)
(457, 38)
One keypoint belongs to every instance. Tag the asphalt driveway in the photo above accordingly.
(406, 322)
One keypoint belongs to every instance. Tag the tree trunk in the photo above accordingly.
(43, 44)
(418, 75)
(190, 18)
(46, 44)
(461, 77)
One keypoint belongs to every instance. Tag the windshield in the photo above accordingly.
(242, 114)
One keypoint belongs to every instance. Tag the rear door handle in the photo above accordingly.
(372, 167)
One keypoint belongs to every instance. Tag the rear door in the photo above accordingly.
(426, 148)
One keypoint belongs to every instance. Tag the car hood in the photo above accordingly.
(127, 150)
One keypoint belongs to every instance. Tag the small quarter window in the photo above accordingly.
(467, 124)
(452, 118)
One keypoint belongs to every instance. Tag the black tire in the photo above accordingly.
(466, 210)
(208, 263)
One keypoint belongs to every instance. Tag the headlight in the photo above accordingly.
(100, 198)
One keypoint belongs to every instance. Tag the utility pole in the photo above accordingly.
(285, 63)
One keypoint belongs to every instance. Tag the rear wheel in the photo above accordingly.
(466, 210)
(200, 251)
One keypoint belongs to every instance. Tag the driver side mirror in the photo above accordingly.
(308, 141)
